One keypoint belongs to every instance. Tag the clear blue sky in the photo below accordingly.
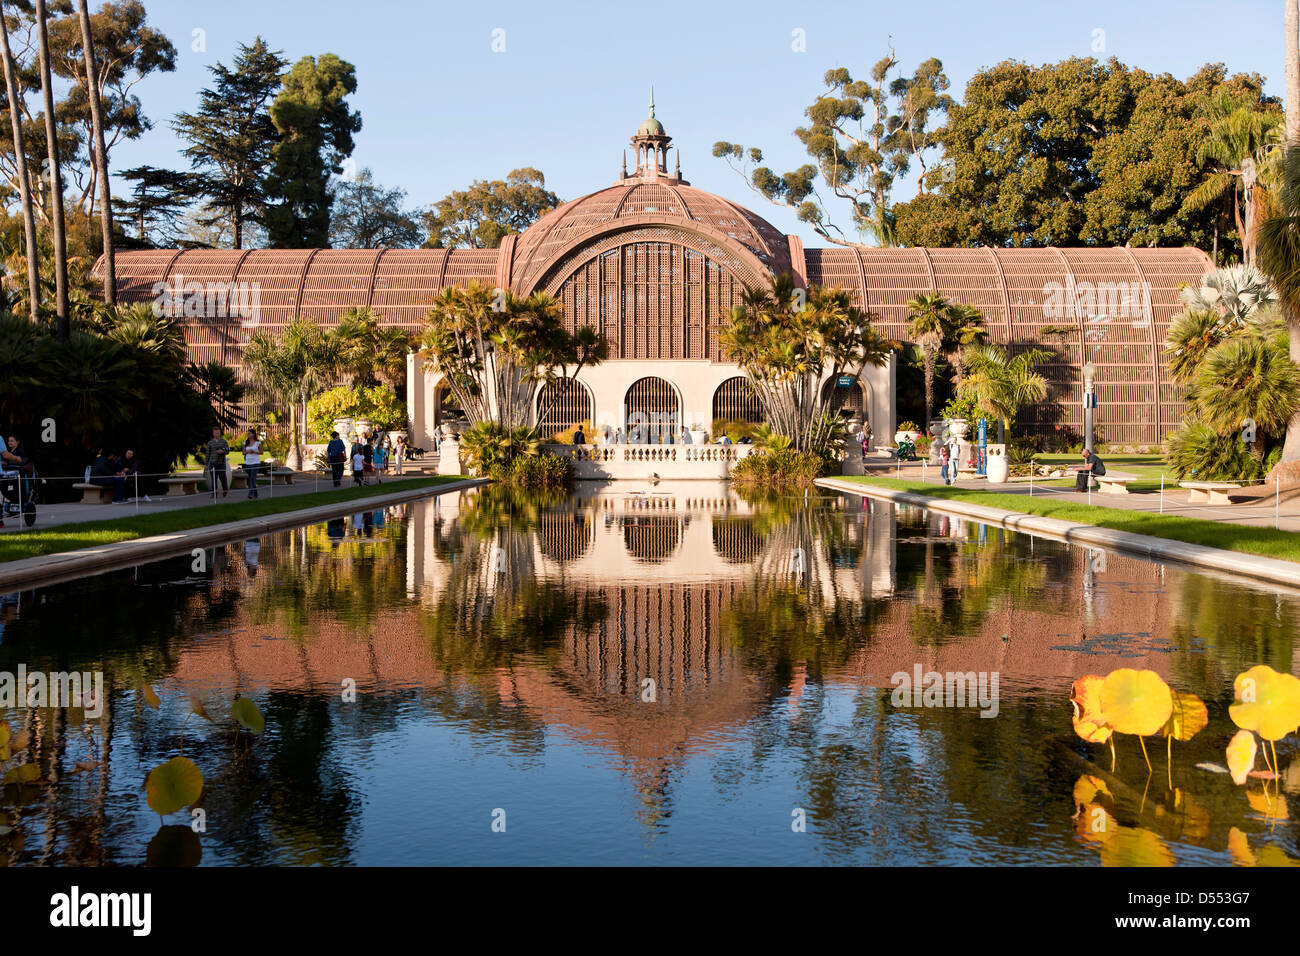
(441, 109)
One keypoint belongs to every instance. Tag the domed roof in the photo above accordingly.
(650, 127)
(640, 203)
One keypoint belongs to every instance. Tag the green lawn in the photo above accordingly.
(30, 543)
(1148, 468)
(1214, 534)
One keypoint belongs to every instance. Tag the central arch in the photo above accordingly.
(653, 411)
(735, 401)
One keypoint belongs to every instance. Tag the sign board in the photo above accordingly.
(845, 381)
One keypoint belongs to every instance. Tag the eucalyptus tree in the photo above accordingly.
(21, 175)
(63, 326)
(789, 343)
(99, 153)
(495, 350)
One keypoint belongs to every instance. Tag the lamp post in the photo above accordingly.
(1089, 401)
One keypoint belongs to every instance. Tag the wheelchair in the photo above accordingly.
(20, 497)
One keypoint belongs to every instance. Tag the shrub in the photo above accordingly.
(536, 471)
(734, 429)
(379, 403)
(785, 468)
(1198, 452)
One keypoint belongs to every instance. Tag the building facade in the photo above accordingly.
(655, 265)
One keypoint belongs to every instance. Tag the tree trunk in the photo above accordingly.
(55, 177)
(101, 157)
(1291, 27)
(24, 184)
(929, 389)
(1248, 178)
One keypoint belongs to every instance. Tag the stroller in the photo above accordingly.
(907, 450)
(20, 494)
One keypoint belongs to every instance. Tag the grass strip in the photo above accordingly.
(36, 541)
(1213, 534)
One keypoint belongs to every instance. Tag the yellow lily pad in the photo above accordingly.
(1241, 755)
(150, 697)
(1267, 702)
(247, 715)
(1085, 701)
(172, 785)
(1188, 718)
(1135, 702)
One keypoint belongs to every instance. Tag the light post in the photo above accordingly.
(1089, 401)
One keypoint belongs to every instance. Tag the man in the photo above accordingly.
(578, 437)
(861, 439)
(336, 455)
(107, 473)
(215, 461)
(1092, 465)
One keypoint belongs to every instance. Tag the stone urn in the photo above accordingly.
(699, 436)
(365, 427)
(959, 428)
(998, 467)
(343, 426)
(938, 433)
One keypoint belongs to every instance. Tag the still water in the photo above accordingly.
(669, 676)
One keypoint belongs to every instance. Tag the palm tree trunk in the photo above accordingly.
(1291, 27)
(929, 388)
(56, 177)
(101, 157)
(24, 185)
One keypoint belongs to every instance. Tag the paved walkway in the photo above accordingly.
(1258, 513)
(306, 483)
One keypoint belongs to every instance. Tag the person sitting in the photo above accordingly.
(131, 470)
(578, 437)
(106, 472)
(1092, 465)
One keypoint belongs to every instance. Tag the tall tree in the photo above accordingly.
(1003, 384)
(482, 215)
(368, 216)
(1291, 27)
(231, 138)
(290, 367)
(24, 182)
(316, 126)
(928, 315)
(55, 177)
(100, 156)
(862, 136)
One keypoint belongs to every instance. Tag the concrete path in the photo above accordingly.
(306, 483)
(1259, 513)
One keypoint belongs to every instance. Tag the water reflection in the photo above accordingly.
(658, 674)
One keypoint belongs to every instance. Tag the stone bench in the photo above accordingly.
(1210, 492)
(94, 494)
(283, 476)
(1114, 482)
(180, 485)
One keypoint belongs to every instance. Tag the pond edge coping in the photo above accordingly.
(55, 568)
(1241, 564)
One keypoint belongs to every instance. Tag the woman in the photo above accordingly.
(336, 454)
(252, 460)
(944, 458)
(399, 454)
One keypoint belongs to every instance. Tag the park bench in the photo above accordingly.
(181, 485)
(94, 494)
(1114, 482)
(283, 476)
(1210, 492)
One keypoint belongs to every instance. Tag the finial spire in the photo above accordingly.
(625, 164)
(652, 101)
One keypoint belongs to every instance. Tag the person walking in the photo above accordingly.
(358, 466)
(399, 454)
(945, 456)
(336, 454)
(252, 460)
(380, 463)
(215, 462)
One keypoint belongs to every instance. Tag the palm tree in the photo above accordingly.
(1002, 385)
(965, 329)
(1248, 379)
(1279, 257)
(1192, 334)
(291, 367)
(56, 176)
(1291, 26)
(368, 350)
(24, 185)
(99, 155)
(1234, 148)
(929, 327)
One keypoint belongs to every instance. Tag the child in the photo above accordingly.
(358, 467)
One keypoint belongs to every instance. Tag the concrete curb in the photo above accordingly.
(1236, 563)
(52, 568)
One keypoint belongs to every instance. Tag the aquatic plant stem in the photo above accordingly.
(1142, 740)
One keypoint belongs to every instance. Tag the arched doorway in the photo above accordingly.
(849, 399)
(445, 406)
(653, 411)
(735, 401)
(562, 405)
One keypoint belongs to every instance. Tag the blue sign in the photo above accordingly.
(845, 381)
(984, 444)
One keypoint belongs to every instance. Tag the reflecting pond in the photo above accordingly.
(633, 674)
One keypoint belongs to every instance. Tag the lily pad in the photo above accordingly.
(1188, 718)
(173, 785)
(1267, 702)
(1085, 700)
(1135, 702)
(24, 773)
(1241, 755)
(247, 715)
(150, 697)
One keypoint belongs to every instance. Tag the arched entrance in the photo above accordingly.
(562, 405)
(850, 399)
(445, 406)
(735, 401)
(653, 411)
